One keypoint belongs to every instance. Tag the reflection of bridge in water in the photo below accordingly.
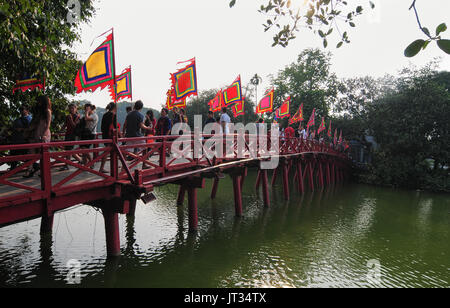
(133, 176)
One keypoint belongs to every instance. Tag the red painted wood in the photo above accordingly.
(237, 195)
(215, 188)
(193, 210)
(286, 182)
(112, 233)
(265, 184)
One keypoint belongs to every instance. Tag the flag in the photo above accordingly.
(215, 105)
(340, 138)
(329, 130)
(184, 82)
(29, 83)
(312, 120)
(346, 145)
(335, 137)
(322, 126)
(99, 69)
(266, 104)
(170, 104)
(238, 108)
(123, 87)
(298, 117)
(283, 111)
(233, 94)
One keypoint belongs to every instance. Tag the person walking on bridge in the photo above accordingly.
(109, 124)
(40, 125)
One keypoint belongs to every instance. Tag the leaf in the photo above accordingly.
(232, 3)
(339, 45)
(441, 28)
(427, 32)
(444, 45)
(414, 48)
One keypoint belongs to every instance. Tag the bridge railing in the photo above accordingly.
(130, 159)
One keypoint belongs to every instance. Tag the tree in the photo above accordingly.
(326, 17)
(35, 38)
(412, 128)
(308, 81)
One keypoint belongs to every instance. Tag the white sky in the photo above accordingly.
(153, 36)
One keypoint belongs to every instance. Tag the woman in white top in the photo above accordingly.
(90, 129)
(225, 121)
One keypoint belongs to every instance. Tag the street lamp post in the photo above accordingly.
(256, 81)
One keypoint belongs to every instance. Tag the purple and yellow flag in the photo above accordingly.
(99, 69)
(123, 87)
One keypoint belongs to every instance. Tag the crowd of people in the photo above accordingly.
(33, 126)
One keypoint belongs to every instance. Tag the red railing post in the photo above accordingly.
(114, 162)
(46, 186)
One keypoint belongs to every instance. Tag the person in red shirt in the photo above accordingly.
(289, 133)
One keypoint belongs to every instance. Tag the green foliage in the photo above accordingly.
(322, 17)
(412, 128)
(308, 81)
(35, 39)
(415, 47)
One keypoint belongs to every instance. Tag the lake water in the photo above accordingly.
(345, 236)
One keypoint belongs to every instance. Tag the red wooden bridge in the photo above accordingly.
(134, 174)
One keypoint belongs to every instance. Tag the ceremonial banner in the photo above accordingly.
(322, 127)
(283, 111)
(184, 82)
(233, 94)
(99, 69)
(123, 88)
(298, 117)
(238, 109)
(215, 105)
(340, 138)
(329, 130)
(335, 137)
(170, 104)
(266, 104)
(346, 145)
(312, 120)
(29, 83)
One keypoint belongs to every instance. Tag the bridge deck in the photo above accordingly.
(155, 163)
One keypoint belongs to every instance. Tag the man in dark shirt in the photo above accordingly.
(134, 125)
(18, 132)
(210, 118)
(164, 125)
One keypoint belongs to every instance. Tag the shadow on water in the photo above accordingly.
(321, 238)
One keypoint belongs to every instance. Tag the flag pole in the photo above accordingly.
(131, 84)
(114, 67)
